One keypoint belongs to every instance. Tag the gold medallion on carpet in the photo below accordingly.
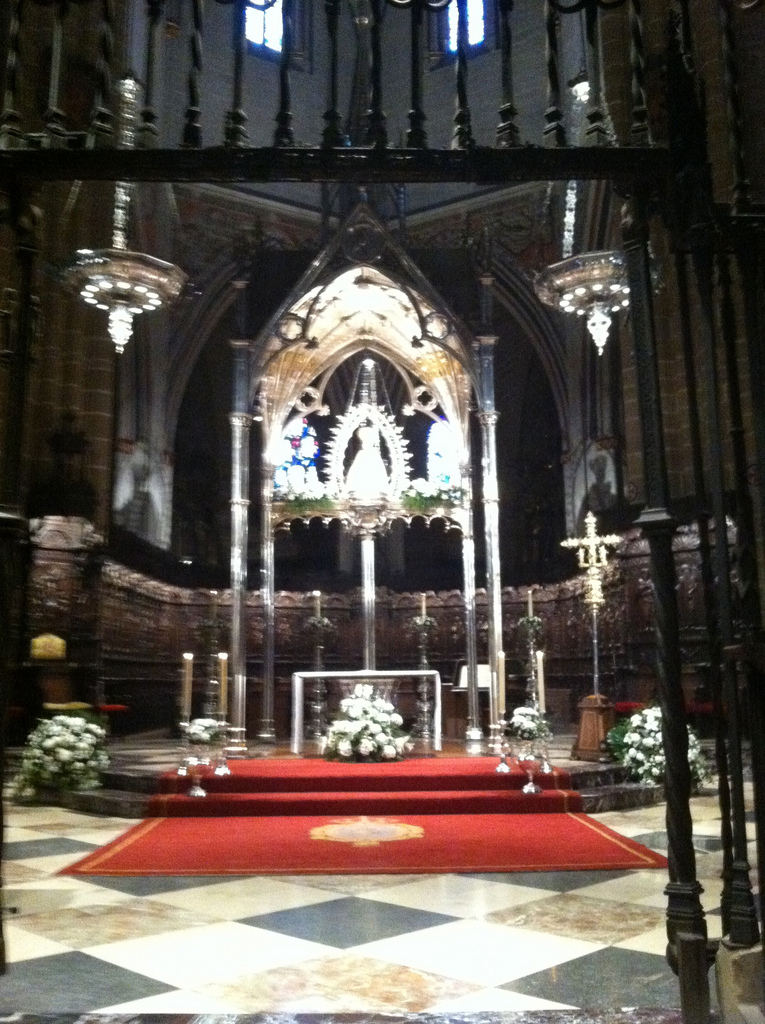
(365, 831)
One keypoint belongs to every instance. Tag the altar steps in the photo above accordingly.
(317, 787)
(414, 774)
(359, 802)
(141, 764)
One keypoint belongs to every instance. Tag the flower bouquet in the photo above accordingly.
(203, 731)
(528, 723)
(530, 629)
(63, 753)
(368, 729)
(638, 744)
(423, 496)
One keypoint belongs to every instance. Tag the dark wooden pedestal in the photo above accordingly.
(596, 717)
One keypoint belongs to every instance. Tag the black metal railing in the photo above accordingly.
(401, 45)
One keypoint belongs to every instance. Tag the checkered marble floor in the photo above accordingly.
(371, 944)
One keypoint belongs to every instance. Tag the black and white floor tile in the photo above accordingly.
(335, 944)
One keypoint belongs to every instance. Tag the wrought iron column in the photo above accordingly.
(707, 585)
(488, 418)
(235, 132)
(11, 135)
(462, 136)
(148, 132)
(192, 128)
(368, 594)
(507, 129)
(554, 132)
(240, 421)
(685, 915)
(13, 525)
(377, 133)
(750, 258)
(332, 134)
(284, 135)
(743, 919)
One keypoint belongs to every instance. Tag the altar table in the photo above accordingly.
(361, 676)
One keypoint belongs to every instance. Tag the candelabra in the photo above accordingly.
(593, 557)
(320, 629)
(422, 626)
(597, 715)
(531, 628)
(209, 636)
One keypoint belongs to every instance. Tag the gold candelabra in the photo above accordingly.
(593, 558)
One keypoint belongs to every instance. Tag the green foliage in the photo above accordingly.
(300, 506)
(637, 743)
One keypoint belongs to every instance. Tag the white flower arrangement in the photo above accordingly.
(313, 490)
(369, 729)
(528, 723)
(202, 730)
(65, 752)
(422, 493)
(639, 746)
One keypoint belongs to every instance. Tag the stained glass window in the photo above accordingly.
(298, 451)
(475, 20)
(443, 465)
(264, 28)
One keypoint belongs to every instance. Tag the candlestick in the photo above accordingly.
(501, 683)
(541, 681)
(186, 686)
(423, 606)
(531, 606)
(317, 603)
(223, 685)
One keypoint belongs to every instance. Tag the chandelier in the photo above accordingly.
(593, 284)
(116, 280)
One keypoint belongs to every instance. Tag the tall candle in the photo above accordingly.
(423, 606)
(223, 685)
(317, 603)
(501, 682)
(531, 605)
(541, 681)
(186, 685)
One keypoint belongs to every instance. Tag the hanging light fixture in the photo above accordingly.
(593, 284)
(116, 280)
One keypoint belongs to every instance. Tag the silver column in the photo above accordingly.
(267, 729)
(488, 418)
(240, 487)
(474, 733)
(368, 594)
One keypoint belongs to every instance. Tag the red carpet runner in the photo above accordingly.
(367, 844)
(305, 786)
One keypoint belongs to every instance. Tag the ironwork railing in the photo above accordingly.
(394, 35)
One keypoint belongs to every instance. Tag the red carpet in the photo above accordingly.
(374, 845)
(305, 786)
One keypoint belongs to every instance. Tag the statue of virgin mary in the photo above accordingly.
(367, 478)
